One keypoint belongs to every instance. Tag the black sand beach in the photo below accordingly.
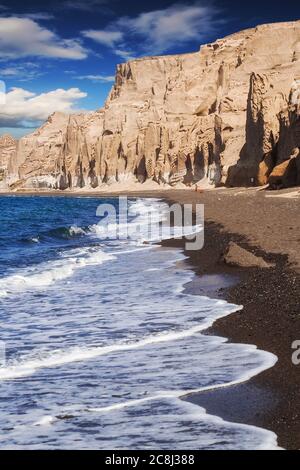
(267, 224)
(271, 316)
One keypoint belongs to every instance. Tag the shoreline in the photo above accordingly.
(270, 318)
(266, 224)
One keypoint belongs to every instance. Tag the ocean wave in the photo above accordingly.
(59, 233)
(29, 366)
(140, 304)
(147, 222)
(236, 436)
(31, 240)
(136, 233)
(67, 232)
(45, 274)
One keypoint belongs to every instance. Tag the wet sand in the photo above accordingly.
(269, 227)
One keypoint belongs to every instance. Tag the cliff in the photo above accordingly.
(228, 114)
(8, 147)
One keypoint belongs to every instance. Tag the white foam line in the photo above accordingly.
(271, 438)
(271, 442)
(80, 354)
(127, 404)
(134, 250)
(271, 360)
(53, 271)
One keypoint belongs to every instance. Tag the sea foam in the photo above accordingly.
(122, 345)
(50, 272)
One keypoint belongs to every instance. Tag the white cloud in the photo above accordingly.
(126, 55)
(177, 24)
(39, 16)
(22, 73)
(84, 5)
(158, 31)
(106, 37)
(24, 108)
(9, 72)
(23, 37)
(98, 78)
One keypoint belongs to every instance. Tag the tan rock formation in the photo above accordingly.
(287, 173)
(265, 168)
(8, 147)
(226, 114)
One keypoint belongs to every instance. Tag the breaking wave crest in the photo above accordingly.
(47, 273)
(27, 366)
(137, 232)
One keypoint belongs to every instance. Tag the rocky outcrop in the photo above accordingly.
(227, 114)
(272, 126)
(287, 173)
(8, 146)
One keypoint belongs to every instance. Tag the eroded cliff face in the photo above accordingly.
(8, 147)
(227, 114)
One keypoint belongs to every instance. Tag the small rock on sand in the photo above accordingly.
(238, 256)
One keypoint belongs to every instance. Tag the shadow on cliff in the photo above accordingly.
(267, 158)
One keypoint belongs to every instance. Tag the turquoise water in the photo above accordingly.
(102, 339)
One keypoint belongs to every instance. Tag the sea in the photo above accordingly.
(100, 338)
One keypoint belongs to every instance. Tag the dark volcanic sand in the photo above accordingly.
(271, 315)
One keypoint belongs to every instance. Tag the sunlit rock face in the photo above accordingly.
(8, 146)
(227, 114)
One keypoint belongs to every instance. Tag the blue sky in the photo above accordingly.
(62, 55)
